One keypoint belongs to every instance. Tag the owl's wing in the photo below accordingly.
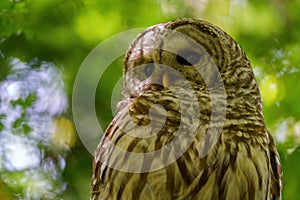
(109, 183)
(276, 182)
(101, 157)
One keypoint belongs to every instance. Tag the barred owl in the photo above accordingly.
(190, 122)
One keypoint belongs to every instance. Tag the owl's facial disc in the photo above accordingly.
(169, 58)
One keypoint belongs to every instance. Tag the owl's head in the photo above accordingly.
(186, 52)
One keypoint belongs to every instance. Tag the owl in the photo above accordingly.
(190, 122)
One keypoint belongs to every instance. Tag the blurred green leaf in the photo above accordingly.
(26, 129)
(19, 102)
(18, 123)
(30, 99)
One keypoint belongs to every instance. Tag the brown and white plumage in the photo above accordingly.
(211, 111)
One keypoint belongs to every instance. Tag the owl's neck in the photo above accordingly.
(242, 105)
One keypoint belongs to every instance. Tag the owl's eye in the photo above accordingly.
(188, 57)
(149, 68)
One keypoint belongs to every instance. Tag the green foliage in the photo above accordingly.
(20, 125)
(65, 31)
(31, 161)
(11, 15)
(291, 175)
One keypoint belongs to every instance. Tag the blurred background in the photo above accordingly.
(43, 43)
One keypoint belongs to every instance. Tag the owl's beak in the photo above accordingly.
(165, 80)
